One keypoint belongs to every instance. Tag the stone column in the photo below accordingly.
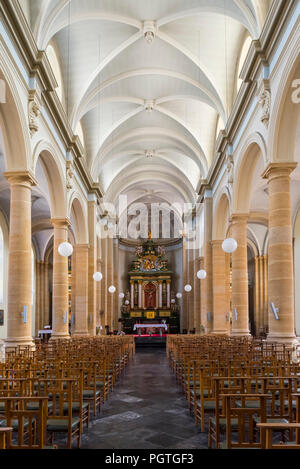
(220, 294)
(110, 279)
(202, 283)
(104, 282)
(132, 294)
(228, 290)
(46, 298)
(140, 302)
(184, 301)
(160, 294)
(207, 286)
(261, 300)
(81, 290)
(240, 294)
(197, 311)
(192, 293)
(38, 295)
(20, 260)
(116, 284)
(168, 293)
(92, 268)
(98, 296)
(60, 304)
(280, 265)
(265, 293)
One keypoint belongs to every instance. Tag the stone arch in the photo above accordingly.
(14, 128)
(221, 217)
(253, 149)
(77, 214)
(285, 112)
(55, 177)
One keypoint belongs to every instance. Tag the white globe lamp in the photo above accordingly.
(179, 296)
(112, 289)
(201, 274)
(127, 302)
(188, 288)
(97, 276)
(121, 296)
(65, 249)
(229, 245)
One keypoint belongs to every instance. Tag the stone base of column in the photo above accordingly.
(283, 338)
(81, 334)
(240, 333)
(60, 336)
(19, 341)
(224, 332)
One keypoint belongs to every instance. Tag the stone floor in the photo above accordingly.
(146, 410)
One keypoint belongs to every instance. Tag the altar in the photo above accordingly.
(150, 301)
(151, 328)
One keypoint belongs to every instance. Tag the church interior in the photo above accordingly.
(149, 224)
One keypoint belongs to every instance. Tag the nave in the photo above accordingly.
(201, 392)
(147, 410)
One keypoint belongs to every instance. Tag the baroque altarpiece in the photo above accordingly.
(150, 297)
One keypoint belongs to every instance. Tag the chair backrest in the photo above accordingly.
(29, 421)
(239, 418)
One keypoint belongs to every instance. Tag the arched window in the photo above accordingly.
(52, 57)
(244, 52)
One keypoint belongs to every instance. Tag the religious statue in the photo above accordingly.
(265, 102)
(139, 251)
(161, 251)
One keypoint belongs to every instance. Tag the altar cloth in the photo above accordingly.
(154, 326)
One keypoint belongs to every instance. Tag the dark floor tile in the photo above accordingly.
(147, 410)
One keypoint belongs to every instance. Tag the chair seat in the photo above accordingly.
(222, 423)
(14, 424)
(223, 445)
(35, 406)
(251, 404)
(61, 425)
(205, 393)
(208, 405)
(257, 420)
(286, 404)
(76, 406)
(89, 393)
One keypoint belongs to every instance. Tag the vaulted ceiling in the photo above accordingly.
(151, 82)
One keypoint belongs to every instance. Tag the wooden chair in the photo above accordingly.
(243, 417)
(27, 424)
(5, 436)
(267, 430)
(60, 391)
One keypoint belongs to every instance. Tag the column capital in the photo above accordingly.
(61, 222)
(216, 242)
(279, 169)
(20, 177)
(239, 218)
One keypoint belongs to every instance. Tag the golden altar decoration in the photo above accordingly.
(149, 296)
